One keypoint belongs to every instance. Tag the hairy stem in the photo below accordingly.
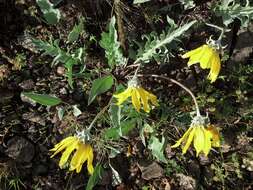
(179, 84)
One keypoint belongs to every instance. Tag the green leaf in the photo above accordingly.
(76, 31)
(156, 44)
(229, 10)
(100, 86)
(51, 14)
(109, 41)
(157, 148)
(140, 1)
(95, 177)
(115, 133)
(43, 99)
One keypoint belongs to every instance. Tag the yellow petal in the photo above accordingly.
(144, 99)
(215, 68)
(136, 100)
(199, 139)
(205, 61)
(90, 160)
(189, 140)
(67, 152)
(78, 158)
(207, 145)
(62, 145)
(183, 138)
(123, 95)
(192, 52)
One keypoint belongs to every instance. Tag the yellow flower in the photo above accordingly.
(203, 139)
(208, 58)
(84, 152)
(139, 96)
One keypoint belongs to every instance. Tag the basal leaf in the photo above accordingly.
(95, 177)
(43, 99)
(100, 86)
(156, 44)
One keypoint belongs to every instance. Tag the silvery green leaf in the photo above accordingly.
(229, 10)
(156, 44)
(109, 41)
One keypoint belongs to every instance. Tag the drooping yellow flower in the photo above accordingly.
(83, 153)
(203, 139)
(208, 57)
(139, 96)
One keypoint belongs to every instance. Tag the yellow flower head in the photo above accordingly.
(203, 138)
(139, 96)
(208, 57)
(83, 152)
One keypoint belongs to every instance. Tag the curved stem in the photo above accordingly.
(219, 28)
(179, 84)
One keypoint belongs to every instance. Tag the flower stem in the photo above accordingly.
(99, 115)
(179, 84)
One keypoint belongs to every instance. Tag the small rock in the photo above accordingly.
(27, 84)
(20, 149)
(185, 182)
(151, 171)
(60, 70)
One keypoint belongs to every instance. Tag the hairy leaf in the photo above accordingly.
(156, 44)
(229, 10)
(51, 15)
(109, 41)
(157, 148)
(100, 86)
(43, 99)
